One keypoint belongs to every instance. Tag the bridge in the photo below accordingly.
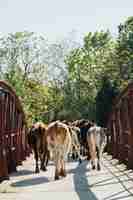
(114, 181)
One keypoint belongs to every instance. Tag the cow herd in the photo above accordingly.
(62, 140)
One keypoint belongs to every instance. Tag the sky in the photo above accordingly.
(57, 18)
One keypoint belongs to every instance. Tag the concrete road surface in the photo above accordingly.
(113, 182)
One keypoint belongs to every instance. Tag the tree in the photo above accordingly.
(124, 50)
(36, 70)
(86, 67)
(22, 51)
(104, 100)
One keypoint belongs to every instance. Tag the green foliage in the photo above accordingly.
(124, 50)
(104, 101)
(35, 100)
(56, 83)
(86, 68)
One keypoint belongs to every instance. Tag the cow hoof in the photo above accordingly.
(56, 178)
(63, 173)
(37, 171)
(98, 168)
(93, 167)
(43, 169)
(80, 161)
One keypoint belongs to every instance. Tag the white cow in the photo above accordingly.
(96, 138)
(75, 145)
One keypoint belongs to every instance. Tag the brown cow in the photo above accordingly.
(37, 141)
(59, 143)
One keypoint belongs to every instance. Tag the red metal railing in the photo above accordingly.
(13, 143)
(120, 126)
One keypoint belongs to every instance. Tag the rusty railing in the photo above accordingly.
(13, 143)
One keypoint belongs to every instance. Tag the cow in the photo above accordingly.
(75, 145)
(84, 126)
(96, 138)
(59, 143)
(37, 141)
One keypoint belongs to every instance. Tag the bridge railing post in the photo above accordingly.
(130, 136)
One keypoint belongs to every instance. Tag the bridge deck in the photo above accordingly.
(113, 182)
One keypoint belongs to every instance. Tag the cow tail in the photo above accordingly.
(29, 140)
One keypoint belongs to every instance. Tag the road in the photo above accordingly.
(113, 182)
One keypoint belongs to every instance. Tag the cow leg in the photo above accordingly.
(57, 167)
(99, 155)
(43, 162)
(93, 164)
(62, 170)
(73, 156)
(88, 154)
(47, 157)
(57, 172)
(92, 149)
(36, 159)
(80, 160)
(78, 155)
(98, 161)
(93, 156)
(81, 150)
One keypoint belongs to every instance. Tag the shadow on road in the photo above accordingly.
(81, 185)
(22, 173)
(30, 182)
(83, 189)
(115, 196)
